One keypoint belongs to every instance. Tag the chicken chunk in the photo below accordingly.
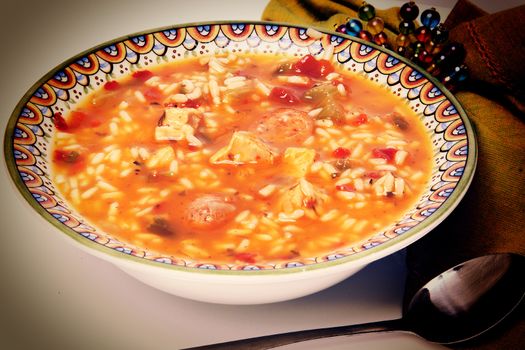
(178, 124)
(302, 195)
(244, 148)
(298, 160)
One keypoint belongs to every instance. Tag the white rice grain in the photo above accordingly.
(88, 193)
(330, 215)
(243, 215)
(114, 156)
(105, 186)
(124, 115)
(174, 167)
(113, 209)
(170, 88)
(153, 81)
(113, 128)
(139, 96)
(214, 91)
(267, 190)
(195, 94)
(97, 158)
(332, 76)
(265, 90)
(322, 132)
(263, 237)
(400, 157)
(75, 195)
(144, 211)
(179, 98)
(112, 195)
(387, 167)
(341, 89)
(348, 223)
(184, 181)
(345, 195)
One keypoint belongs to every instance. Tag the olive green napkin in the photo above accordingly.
(491, 217)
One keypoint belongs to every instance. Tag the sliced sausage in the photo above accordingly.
(209, 211)
(285, 127)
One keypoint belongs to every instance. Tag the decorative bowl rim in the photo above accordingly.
(363, 257)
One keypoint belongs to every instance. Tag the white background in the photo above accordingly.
(54, 296)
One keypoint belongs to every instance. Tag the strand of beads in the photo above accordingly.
(426, 45)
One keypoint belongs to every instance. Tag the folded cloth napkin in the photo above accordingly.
(491, 217)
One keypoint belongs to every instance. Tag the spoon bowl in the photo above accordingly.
(455, 306)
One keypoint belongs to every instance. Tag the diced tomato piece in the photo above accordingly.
(78, 166)
(385, 153)
(142, 74)
(95, 122)
(310, 66)
(283, 95)
(76, 119)
(341, 152)
(246, 257)
(112, 85)
(345, 188)
(359, 120)
(153, 94)
(373, 175)
(59, 122)
(191, 104)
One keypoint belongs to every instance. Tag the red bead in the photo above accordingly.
(341, 29)
(425, 57)
(423, 34)
(380, 38)
(365, 35)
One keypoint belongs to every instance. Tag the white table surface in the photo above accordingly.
(55, 296)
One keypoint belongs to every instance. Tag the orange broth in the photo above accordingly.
(322, 158)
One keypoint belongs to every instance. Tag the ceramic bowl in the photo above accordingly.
(30, 130)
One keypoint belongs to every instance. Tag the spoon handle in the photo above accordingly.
(274, 340)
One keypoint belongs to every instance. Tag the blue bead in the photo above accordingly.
(353, 27)
(430, 18)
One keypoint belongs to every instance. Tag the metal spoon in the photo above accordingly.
(459, 304)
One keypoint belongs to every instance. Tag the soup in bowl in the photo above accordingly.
(240, 163)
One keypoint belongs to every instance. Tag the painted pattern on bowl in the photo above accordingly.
(30, 129)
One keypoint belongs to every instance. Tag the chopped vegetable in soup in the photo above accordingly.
(242, 158)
